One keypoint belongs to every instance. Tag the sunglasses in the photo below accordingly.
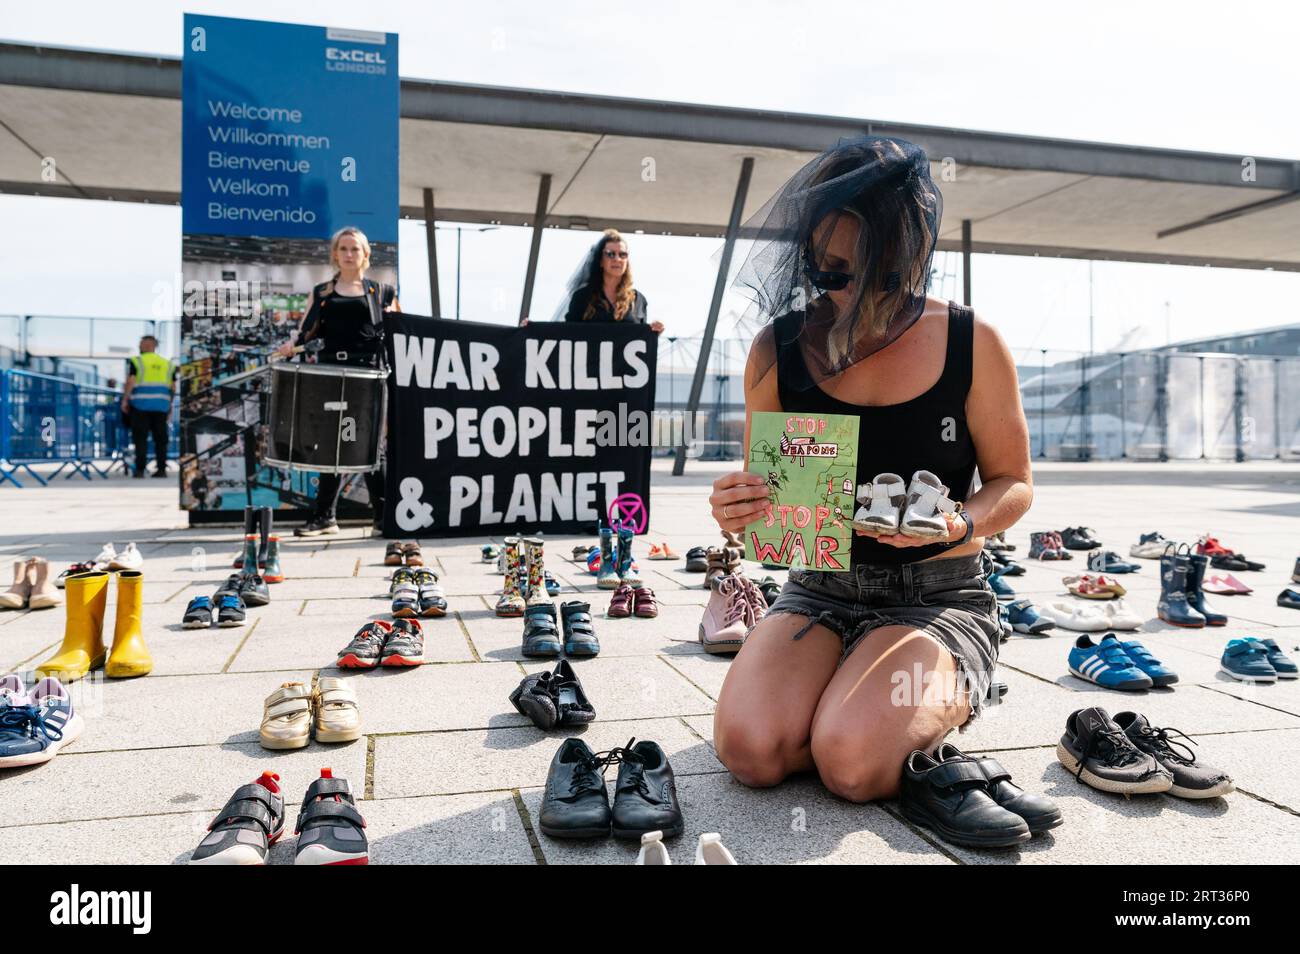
(825, 281)
(837, 281)
(613, 255)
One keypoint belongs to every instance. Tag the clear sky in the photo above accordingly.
(1185, 75)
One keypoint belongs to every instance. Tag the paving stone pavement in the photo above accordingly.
(449, 772)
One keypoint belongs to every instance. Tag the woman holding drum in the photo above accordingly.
(345, 315)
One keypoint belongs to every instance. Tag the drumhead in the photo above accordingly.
(327, 370)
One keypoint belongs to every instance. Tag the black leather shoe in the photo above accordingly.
(645, 798)
(952, 799)
(553, 698)
(1230, 561)
(570, 701)
(1289, 598)
(1079, 538)
(575, 804)
(253, 589)
(1039, 812)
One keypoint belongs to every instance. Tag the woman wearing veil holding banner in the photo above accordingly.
(852, 671)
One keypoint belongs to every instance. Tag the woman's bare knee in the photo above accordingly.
(756, 757)
(855, 767)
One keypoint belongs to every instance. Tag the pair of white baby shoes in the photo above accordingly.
(916, 509)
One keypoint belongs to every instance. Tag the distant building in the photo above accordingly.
(1282, 341)
(1230, 397)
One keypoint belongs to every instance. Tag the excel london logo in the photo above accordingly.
(77, 907)
(350, 59)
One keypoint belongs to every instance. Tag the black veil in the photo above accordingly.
(883, 184)
(581, 277)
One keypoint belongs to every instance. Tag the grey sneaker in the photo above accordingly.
(405, 647)
(1097, 752)
(1191, 780)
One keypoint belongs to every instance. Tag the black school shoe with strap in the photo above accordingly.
(575, 803)
(330, 829)
(1191, 780)
(952, 799)
(579, 634)
(246, 827)
(1039, 812)
(541, 635)
(645, 797)
(1097, 753)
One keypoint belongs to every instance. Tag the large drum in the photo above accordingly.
(326, 417)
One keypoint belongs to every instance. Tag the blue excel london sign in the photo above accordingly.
(288, 131)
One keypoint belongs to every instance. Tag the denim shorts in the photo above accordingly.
(949, 599)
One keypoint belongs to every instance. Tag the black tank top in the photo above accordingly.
(347, 327)
(928, 432)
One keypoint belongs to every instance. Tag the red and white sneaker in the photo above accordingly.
(330, 829)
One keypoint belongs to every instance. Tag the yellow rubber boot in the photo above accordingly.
(128, 657)
(86, 595)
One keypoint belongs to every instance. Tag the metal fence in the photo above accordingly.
(1143, 405)
(45, 419)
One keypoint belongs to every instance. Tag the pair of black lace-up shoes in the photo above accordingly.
(577, 805)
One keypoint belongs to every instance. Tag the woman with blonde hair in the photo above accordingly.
(346, 314)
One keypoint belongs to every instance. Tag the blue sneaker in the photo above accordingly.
(551, 583)
(1247, 660)
(1107, 664)
(1025, 619)
(34, 733)
(1280, 661)
(1001, 587)
(1161, 675)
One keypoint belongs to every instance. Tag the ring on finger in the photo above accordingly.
(725, 515)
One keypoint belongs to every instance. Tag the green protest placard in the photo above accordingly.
(810, 463)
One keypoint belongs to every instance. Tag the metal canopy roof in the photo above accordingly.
(112, 122)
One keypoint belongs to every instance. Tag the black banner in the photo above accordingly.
(494, 429)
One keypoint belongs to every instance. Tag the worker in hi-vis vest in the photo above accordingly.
(147, 399)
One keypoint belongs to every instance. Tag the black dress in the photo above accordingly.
(604, 308)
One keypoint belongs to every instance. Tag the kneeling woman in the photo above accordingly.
(850, 672)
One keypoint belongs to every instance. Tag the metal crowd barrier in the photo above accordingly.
(46, 419)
